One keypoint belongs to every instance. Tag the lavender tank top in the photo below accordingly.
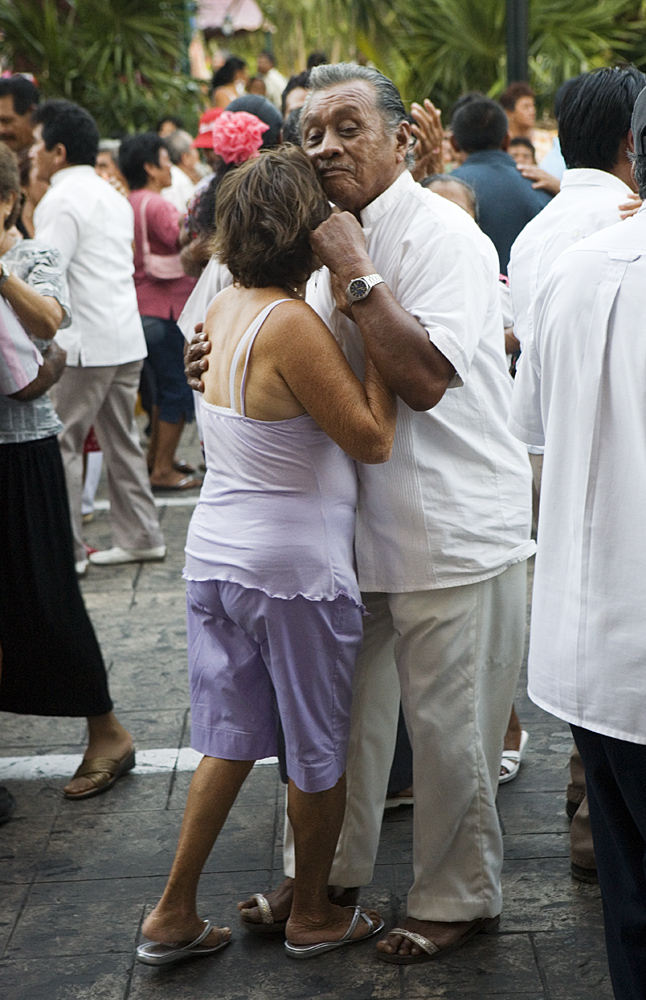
(277, 506)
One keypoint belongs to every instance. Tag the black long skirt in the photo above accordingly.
(51, 661)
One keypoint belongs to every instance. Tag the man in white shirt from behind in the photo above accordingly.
(594, 128)
(580, 392)
(93, 228)
(594, 131)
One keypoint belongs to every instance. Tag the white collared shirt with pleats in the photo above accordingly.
(453, 504)
(581, 392)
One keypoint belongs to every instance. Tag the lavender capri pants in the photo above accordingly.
(254, 659)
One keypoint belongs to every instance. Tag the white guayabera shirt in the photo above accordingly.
(453, 504)
(581, 392)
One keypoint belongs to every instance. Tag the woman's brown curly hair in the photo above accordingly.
(265, 212)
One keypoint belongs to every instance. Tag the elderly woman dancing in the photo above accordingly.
(274, 612)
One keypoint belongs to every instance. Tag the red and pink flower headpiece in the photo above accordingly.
(237, 136)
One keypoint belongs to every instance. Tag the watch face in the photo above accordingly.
(358, 288)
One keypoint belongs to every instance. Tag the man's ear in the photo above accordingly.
(149, 167)
(403, 137)
(61, 153)
(505, 142)
(630, 141)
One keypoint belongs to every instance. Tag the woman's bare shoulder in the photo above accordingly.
(295, 311)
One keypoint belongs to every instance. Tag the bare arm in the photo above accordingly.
(48, 373)
(399, 345)
(361, 418)
(40, 314)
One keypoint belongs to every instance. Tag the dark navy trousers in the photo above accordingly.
(615, 775)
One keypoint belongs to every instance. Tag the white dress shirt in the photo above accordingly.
(580, 392)
(453, 504)
(587, 202)
(92, 226)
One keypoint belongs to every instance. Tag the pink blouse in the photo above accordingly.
(155, 296)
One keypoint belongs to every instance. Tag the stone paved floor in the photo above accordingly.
(76, 879)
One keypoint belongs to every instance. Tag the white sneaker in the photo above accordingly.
(81, 567)
(116, 556)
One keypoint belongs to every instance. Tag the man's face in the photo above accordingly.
(160, 172)
(344, 136)
(15, 130)
(46, 161)
(522, 155)
(264, 64)
(525, 112)
(166, 128)
(105, 165)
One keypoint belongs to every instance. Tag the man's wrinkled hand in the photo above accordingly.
(429, 134)
(339, 244)
(195, 360)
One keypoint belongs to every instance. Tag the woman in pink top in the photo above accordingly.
(145, 163)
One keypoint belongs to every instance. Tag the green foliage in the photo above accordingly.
(340, 28)
(121, 59)
(453, 46)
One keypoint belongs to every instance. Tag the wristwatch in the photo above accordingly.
(5, 273)
(359, 288)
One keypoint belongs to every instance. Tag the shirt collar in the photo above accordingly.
(68, 171)
(387, 200)
(589, 177)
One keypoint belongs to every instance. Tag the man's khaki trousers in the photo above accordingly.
(456, 655)
(104, 398)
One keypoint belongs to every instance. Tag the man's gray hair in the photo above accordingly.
(178, 143)
(389, 102)
(639, 167)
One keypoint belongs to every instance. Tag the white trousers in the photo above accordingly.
(458, 653)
